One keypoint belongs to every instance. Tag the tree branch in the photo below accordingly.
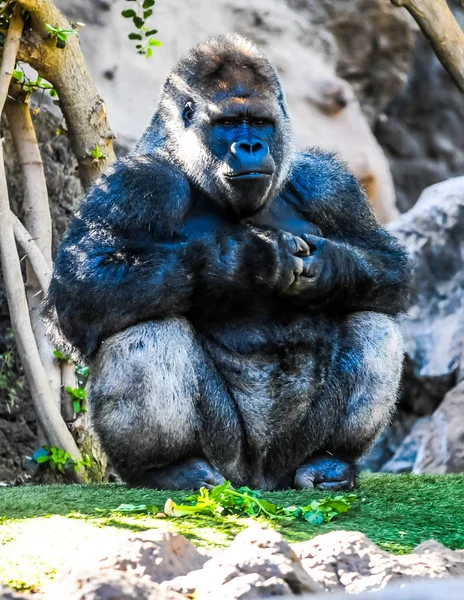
(82, 106)
(437, 22)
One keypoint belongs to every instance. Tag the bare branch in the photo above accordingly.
(82, 106)
(31, 250)
(437, 22)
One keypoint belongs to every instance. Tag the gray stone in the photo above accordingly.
(259, 562)
(107, 585)
(349, 561)
(157, 555)
(433, 328)
(441, 449)
(441, 589)
(405, 457)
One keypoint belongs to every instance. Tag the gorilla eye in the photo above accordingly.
(261, 122)
(188, 112)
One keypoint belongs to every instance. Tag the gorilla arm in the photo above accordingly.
(127, 258)
(356, 265)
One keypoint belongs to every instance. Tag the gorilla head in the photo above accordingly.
(222, 119)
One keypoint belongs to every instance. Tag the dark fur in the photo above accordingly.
(213, 346)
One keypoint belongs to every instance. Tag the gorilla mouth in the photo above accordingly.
(249, 175)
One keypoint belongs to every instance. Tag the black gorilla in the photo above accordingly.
(233, 296)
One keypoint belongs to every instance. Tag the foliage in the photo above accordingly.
(59, 459)
(243, 501)
(143, 33)
(61, 35)
(78, 398)
(31, 85)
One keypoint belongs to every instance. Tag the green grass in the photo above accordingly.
(397, 512)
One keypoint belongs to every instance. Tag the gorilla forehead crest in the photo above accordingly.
(224, 67)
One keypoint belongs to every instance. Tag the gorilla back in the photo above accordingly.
(235, 299)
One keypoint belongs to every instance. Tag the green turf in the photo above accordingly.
(396, 511)
(45, 529)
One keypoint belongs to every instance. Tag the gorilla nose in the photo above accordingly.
(252, 149)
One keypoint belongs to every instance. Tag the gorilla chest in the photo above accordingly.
(206, 217)
(282, 216)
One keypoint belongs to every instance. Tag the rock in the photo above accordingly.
(259, 562)
(349, 561)
(433, 328)
(451, 589)
(108, 585)
(405, 457)
(7, 593)
(159, 556)
(441, 449)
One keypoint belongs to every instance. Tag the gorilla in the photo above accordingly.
(234, 298)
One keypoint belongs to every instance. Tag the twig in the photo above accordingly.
(437, 22)
(32, 252)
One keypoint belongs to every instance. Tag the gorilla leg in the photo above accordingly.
(364, 384)
(161, 410)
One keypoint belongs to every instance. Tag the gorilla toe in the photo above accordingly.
(193, 473)
(326, 473)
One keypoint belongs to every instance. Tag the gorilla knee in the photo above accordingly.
(142, 392)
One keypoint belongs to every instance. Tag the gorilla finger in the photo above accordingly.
(312, 241)
(294, 244)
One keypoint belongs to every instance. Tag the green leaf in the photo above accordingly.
(147, 13)
(76, 406)
(18, 75)
(129, 13)
(134, 36)
(138, 22)
(151, 32)
(148, 3)
(153, 42)
(96, 153)
(82, 370)
(148, 52)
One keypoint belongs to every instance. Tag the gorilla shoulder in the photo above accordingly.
(137, 192)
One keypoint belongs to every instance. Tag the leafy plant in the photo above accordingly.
(243, 501)
(59, 459)
(224, 499)
(60, 34)
(144, 509)
(144, 33)
(78, 398)
(32, 85)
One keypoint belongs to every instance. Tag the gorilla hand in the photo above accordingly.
(290, 252)
(319, 268)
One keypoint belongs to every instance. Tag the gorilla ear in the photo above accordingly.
(188, 112)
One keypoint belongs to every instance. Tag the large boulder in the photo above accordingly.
(433, 327)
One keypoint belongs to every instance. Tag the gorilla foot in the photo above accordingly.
(189, 474)
(326, 473)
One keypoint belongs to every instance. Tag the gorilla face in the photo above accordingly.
(223, 121)
(237, 138)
